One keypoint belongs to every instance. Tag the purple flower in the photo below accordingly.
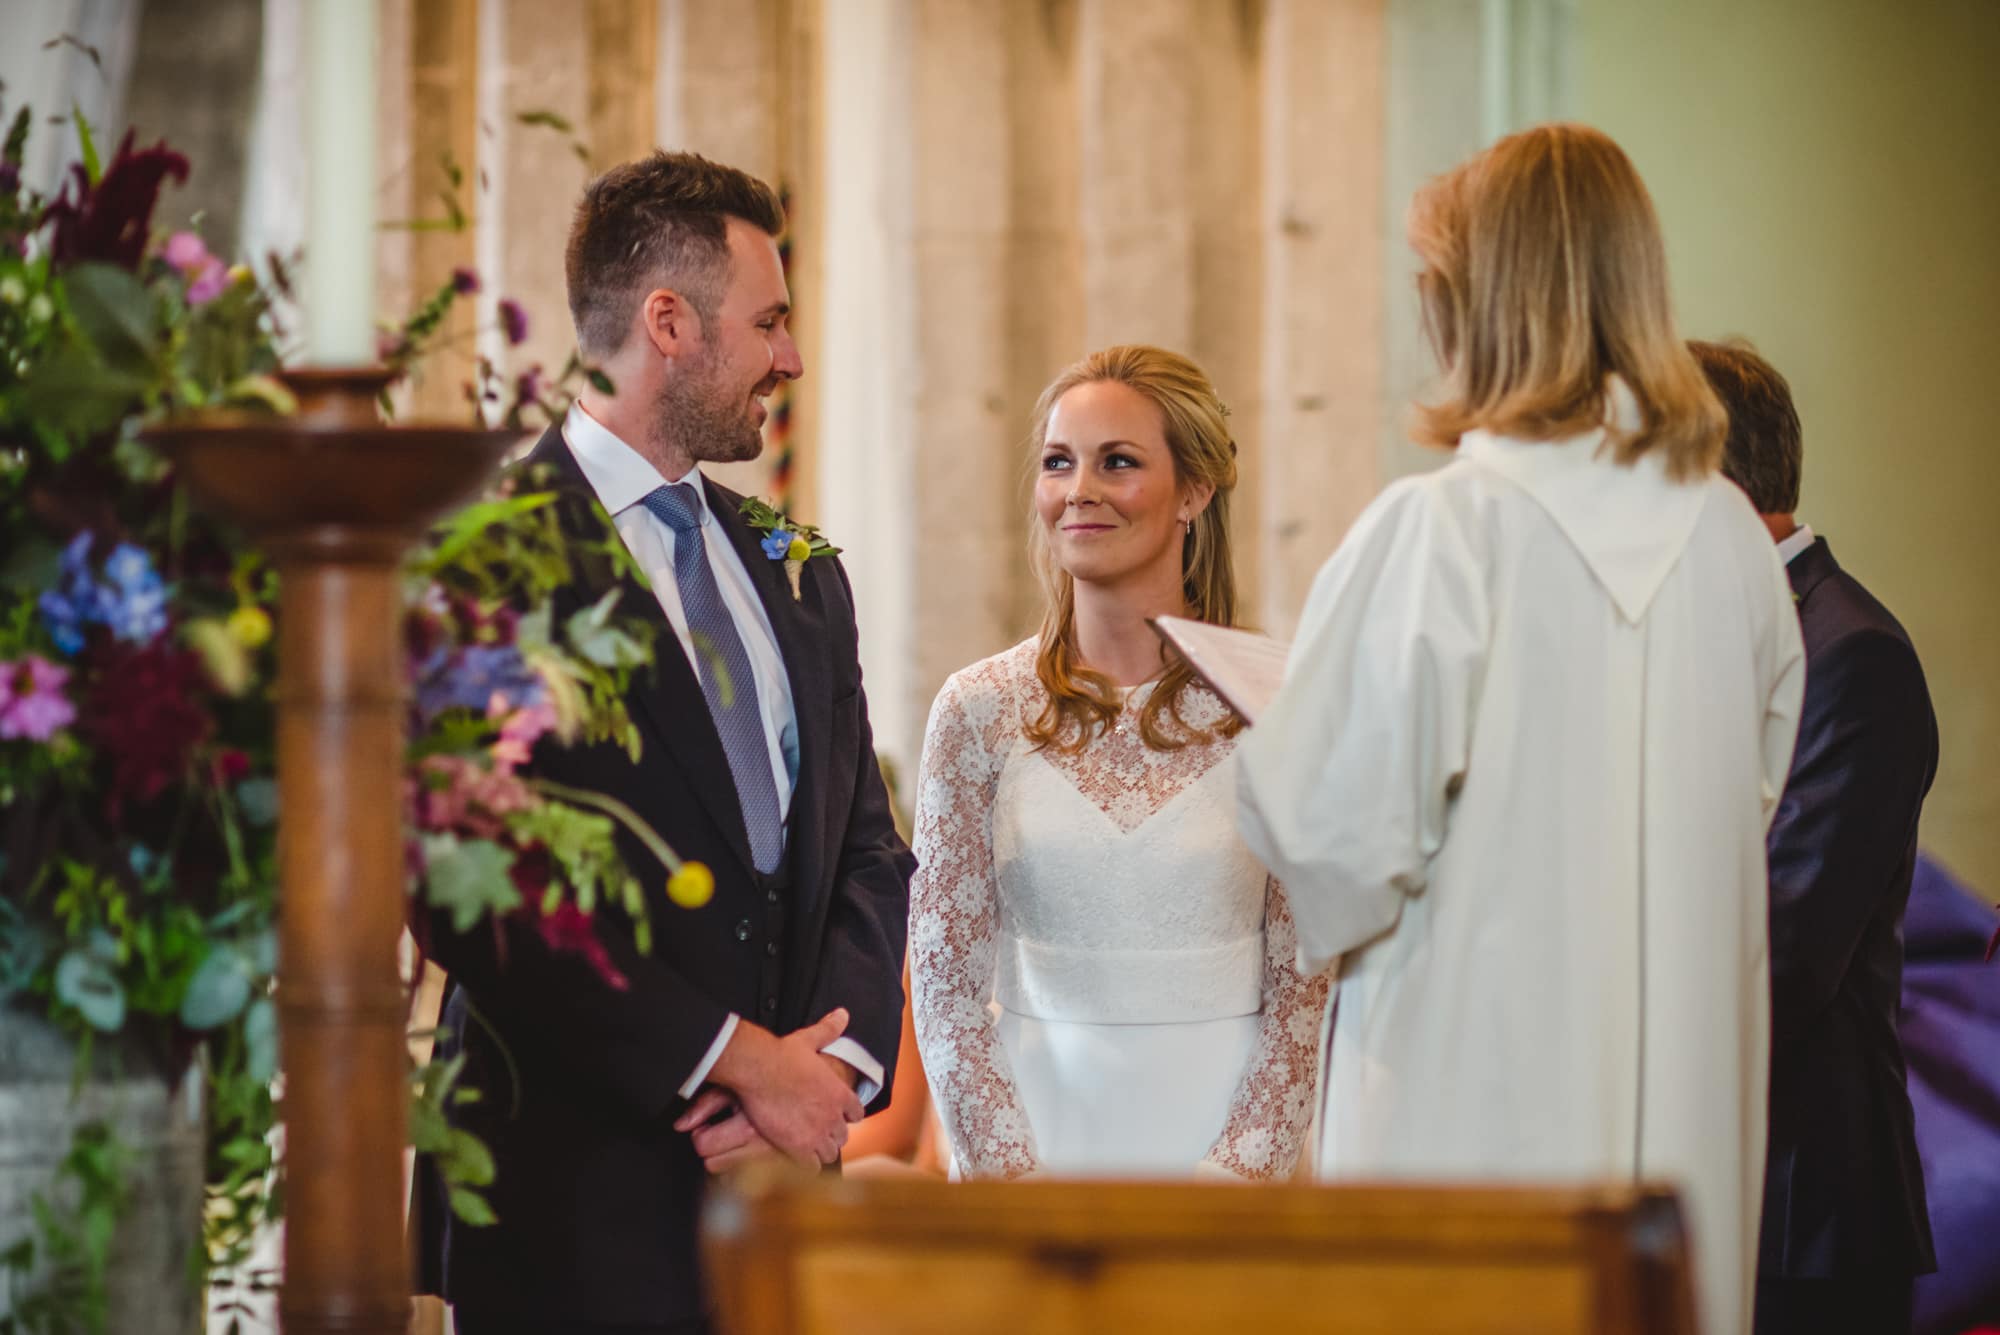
(108, 221)
(528, 386)
(10, 178)
(32, 704)
(470, 677)
(464, 281)
(514, 320)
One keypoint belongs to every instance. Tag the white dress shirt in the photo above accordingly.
(1795, 542)
(622, 479)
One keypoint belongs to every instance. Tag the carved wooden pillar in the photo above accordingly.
(335, 499)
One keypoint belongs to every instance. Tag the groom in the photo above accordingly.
(764, 1021)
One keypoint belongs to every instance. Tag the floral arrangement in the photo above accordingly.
(137, 755)
(785, 539)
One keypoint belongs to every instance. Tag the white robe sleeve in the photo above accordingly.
(1347, 779)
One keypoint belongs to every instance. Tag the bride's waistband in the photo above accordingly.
(1089, 985)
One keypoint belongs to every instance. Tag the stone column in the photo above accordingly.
(1322, 319)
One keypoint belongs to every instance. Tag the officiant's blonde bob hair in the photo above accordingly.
(1083, 702)
(1544, 276)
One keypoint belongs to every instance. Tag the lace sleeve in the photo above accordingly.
(954, 932)
(1273, 1106)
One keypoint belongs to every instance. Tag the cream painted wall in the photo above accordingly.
(1828, 174)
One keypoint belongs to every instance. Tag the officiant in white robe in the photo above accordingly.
(1538, 712)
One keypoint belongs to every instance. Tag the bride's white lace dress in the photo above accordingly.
(1150, 1018)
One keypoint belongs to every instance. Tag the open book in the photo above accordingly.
(1241, 666)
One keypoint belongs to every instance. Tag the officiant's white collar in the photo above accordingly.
(1629, 523)
(619, 474)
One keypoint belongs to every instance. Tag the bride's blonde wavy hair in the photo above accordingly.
(1082, 702)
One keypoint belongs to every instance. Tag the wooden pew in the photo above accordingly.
(901, 1256)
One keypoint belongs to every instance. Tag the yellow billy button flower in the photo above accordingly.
(691, 885)
(799, 550)
(251, 626)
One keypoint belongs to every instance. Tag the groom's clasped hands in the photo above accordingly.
(775, 1095)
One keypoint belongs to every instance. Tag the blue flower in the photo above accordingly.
(132, 570)
(138, 615)
(133, 605)
(776, 543)
(65, 622)
(469, 678)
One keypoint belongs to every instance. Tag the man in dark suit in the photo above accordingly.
(1845, 1228)
(765, 1020)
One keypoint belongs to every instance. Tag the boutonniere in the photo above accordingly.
(785, 539)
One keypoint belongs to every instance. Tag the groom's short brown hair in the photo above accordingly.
(657, 221)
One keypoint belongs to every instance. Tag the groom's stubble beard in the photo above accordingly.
(702, 420)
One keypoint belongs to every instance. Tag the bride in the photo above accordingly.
(1079, 862)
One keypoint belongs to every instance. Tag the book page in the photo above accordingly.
(1242, 667)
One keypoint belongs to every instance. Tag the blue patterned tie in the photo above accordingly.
(739, 723)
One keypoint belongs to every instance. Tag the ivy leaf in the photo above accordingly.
(260, 1040)
(218, 992)
(469, 877)
(471, 1207)
(467, 1160)
(593, 636)
(115, 312)
(87, 984)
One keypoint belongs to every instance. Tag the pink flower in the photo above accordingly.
(518, 735)
(462, 796)
(32, 704)
(186, 252)
(208, 283)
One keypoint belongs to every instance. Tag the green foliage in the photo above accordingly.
(468, 878)
(71, 1245)
(462, 1159)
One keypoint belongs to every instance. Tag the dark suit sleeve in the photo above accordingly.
(861, 960)
(1866, 752)
(633, 1046)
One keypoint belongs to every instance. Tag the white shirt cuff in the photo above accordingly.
(851, 1052)
(700, 1077)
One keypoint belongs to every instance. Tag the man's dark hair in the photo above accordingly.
(1763, 452)
(657, 221)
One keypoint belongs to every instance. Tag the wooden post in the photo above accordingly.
(336, 499)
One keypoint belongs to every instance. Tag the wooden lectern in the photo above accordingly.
(900, 1256)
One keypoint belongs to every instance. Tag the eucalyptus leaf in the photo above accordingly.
(593, 636)
(259, 799)
(24, 948)
(260, 1040)
(263, 949)
(218, 992)
(86, 984)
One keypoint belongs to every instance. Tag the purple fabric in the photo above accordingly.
(1951, 1039)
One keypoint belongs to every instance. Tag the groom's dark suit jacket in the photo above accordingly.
(1844, 1192)
(597, 1194)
